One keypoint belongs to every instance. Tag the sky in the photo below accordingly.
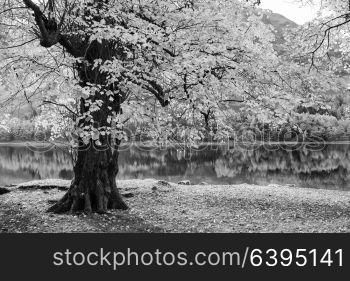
(291, 9)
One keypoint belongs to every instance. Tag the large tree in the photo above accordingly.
(116, 58)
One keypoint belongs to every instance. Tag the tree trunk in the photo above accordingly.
(94, 187)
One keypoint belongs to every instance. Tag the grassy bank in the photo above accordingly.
(159, 207)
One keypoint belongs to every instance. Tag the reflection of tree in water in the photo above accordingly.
(166, 163)
(328, 167)
(20, 163)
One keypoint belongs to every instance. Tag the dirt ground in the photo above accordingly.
(167, 207)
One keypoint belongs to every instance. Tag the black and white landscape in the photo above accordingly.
(174, 116)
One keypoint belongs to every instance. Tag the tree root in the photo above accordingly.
(88, 202)
(4, 190)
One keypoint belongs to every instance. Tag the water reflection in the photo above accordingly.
(328, 167)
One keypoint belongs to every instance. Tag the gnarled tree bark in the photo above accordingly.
(94, 187)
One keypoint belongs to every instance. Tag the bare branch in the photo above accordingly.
(20, 45)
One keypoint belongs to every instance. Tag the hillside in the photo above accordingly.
(280, 25)
(279, 22)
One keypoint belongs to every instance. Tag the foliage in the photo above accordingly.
(18, 129)
(179, 66)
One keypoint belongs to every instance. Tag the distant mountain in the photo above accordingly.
(280, 24)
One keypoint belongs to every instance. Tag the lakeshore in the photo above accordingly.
(159, 206)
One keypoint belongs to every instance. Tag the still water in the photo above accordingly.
(326, 166)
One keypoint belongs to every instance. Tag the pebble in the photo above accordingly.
(186, 182)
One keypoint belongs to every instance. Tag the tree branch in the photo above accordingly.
(49, 36)
(15, 46)
(39, 20)
(62, 105)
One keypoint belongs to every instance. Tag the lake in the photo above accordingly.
(311, 166)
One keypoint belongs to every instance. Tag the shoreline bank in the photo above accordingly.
(155, 207)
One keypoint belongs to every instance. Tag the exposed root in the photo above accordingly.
(94, 188)
(42, 187)
(4, 190)
(96, 201)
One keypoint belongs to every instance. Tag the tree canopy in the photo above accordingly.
(178, 65)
